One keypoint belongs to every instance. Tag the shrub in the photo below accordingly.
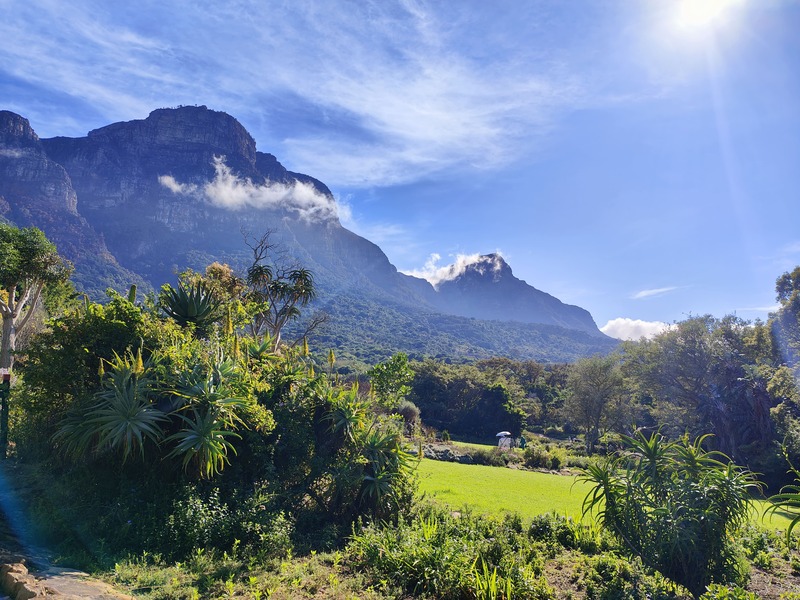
(537, 457)
(675, 506)
(610, 577)
(443, 556)
(720, 592)
(492, 458)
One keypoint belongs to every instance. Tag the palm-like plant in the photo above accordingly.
(210, 417)
(673, 504)
(203, 441)
(386, 464)
(124, 418)
(347, 414)
(279, 293)
(190, 305)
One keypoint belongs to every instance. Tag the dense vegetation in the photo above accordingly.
(732, 379)
(393, 328)
(195, 428)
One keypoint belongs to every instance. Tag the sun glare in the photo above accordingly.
(700, 14)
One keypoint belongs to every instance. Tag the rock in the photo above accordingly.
(36, 191)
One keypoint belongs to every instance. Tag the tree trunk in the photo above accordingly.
(8, 343)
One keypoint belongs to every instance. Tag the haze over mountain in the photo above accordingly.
(138, 201)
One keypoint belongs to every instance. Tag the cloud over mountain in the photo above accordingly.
(436, 274)
(228, 190)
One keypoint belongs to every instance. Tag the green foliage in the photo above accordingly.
(391, 328)
(720, 592)
(674, 505)
(707, 375)
(191, 305)
(390, 379)
(611, 577)
(61, 364)
(537, 456)
(122, 418)
(786, 323)
(436, 554)
(788, 500)
(595, 394)
(28, 262)
(276, 292)
(464, 401)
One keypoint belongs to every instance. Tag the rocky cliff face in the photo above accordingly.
(179, 188)
(37, 191)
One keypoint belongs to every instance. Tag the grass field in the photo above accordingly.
(496, 490)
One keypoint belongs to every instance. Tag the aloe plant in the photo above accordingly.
(203, 441)
(123, 419)
(194, 305)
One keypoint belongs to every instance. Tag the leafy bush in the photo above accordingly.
(442, 556)
(492, 458)
(537, 456)
(721, 592)
(675, 506)
(611, 577)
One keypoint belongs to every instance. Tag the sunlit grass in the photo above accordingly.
(497, 490)
(471, 446)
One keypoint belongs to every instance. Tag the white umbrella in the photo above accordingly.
(503, 434)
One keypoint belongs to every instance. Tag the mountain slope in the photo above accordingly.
(187, 186)
(487, 289)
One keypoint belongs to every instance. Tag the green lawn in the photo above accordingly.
(497, 490)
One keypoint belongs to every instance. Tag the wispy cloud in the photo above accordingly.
(227, 190)
(437, 274)
(624, 328)
(378, 93)
(759, 309)
(653, 292)
(11, 153)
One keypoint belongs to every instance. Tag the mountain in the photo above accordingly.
(37, 191)
(145, 199)
(487, 289)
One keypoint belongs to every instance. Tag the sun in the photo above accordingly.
(702, 14)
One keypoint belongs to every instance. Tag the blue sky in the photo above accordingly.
(639, 158)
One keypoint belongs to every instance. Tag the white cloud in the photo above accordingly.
(759, 309)
(228, 190)
(623, 328)
(11, 153)
(169, 182)
(436, 274)
(382, 92)
(652, 292)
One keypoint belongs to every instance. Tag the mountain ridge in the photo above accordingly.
(174, 190)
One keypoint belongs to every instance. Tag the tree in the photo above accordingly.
(595, 385)
(28, 262)
(277, 291)
(390, 380)
(709, 375)
(786, 322)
